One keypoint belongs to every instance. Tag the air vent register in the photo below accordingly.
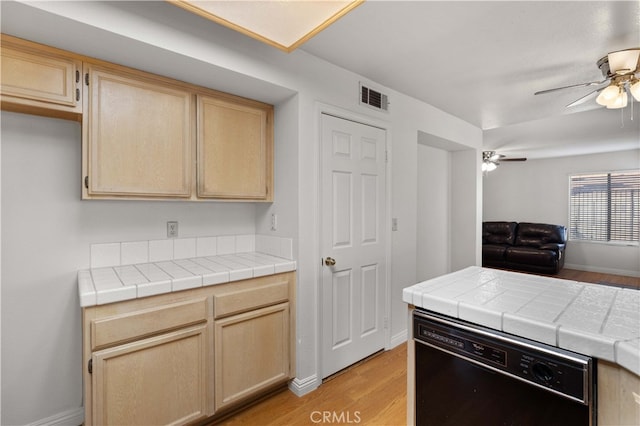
(373, 98)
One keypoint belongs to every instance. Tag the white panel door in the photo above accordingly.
(352, 235)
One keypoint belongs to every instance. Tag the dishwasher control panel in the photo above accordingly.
(472, 347)
(552, 368)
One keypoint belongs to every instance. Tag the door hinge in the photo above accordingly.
(77, 76)
(386, 156)
(86, 79)
(86, 182)
(90, 366)
(385, 323)
(77, 94)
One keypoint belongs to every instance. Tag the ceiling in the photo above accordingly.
(483, 61)
(480, 61)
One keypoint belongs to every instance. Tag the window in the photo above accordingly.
(605, 207)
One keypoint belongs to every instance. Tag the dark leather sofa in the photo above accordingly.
(524, 246)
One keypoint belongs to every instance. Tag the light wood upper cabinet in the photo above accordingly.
(40, 80)
(138, 136)
(145, 136)
(140, 140)
(235, 148)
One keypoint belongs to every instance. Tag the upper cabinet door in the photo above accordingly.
(40, 80)
(235, 149)
(138, 133)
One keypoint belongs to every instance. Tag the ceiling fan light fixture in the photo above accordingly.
(620, 69)
(620, 101)
(634, 88)
(488, 166)
(608, 95)
(624, 61)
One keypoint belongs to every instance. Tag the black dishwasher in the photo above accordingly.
(472, 375)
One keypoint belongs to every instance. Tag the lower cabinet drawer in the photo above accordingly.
(135, 325)
(263, 292)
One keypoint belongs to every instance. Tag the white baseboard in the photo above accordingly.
(302, 387)
(398, 339)
(72, 417)
(627, 273)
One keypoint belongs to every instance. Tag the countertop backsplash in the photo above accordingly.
(136, 252)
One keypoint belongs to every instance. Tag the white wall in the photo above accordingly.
(448, 197)
(434, 210)
(466, 199)
(191, 49)
(46, 233)
(538, 190)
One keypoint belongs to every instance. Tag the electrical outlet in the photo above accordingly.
(172, 229)
(274, 221)
(394, 224)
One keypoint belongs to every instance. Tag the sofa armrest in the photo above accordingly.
(552, 246)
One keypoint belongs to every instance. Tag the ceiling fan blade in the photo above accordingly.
(591, 83)
(513, 159)
(584, 98)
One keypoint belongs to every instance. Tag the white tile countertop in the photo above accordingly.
(102, 285)
(591, 319)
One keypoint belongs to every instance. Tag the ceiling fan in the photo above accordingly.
(491, 160)
(619, 70)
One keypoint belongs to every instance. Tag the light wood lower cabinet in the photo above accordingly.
(618, 396)
(181, 357)
(155, 381)
(251, 353)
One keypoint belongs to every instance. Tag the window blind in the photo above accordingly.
(605, 206)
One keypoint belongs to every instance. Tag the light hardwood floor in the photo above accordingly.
(372, 393)
(600, 278)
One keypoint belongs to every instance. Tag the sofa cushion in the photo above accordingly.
(493, 252)
(531, 256)
(499, 232)
(538, 234)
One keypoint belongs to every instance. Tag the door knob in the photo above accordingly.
(329, 261)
